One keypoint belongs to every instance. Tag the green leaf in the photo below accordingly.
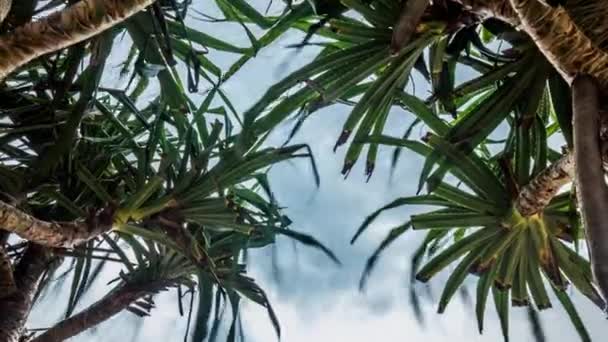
(501, 301)
(483, 289)
(455, 251)
(573, 314)
(310, 241)
(320, 65)
(202, 38)
(476, 174)
(561, 99)
(93, 183)
(457, 277)
(423, 112)
(141, 196)
(250, 12)
(372, 260)
(415, 200)
(448, 219)
(466, 200)
(205, 302)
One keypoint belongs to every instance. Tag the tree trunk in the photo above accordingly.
(564, 44)
(54, 234)
(16, 308)
(411, 13)
(59, 30)
(536, 195)
(113, 303)
(7, 281)
(5, 7)
(592, 189)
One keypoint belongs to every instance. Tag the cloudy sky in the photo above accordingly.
(315, 300)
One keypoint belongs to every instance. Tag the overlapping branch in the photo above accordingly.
(61, 29)
(537, 194)
(564, 44)
(113, 303)
(54, 234)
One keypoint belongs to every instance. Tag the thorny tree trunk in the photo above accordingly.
(54, 234)
(62, 29)
(15, 308)
(592, 189)
(115, 302)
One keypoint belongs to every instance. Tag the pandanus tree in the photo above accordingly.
(91, 174)
(160, 193)
(504, 213)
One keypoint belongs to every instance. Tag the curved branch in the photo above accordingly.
(113, 303)
(61, 29)
(566, 46)
(592, 189)
(54, 234)
(537, 194)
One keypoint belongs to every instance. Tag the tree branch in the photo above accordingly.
(7, 281)
(592, 189)
(411, 13)
(61, 29)
(54, 234)
(537, 194)
(16, 308)
(113, 303)
(566, 46)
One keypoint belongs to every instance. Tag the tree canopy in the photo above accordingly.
(165, 181)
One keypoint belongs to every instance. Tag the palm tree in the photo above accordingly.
(506, 218)
(91, 177)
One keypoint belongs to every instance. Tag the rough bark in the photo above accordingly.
(54, 234)
(500, 9)
(5, 7)
(411, 13)
(590, 18)
(562, 42)
(113, 303)
(535, 196)
(61, 29)
(16, 308)
(592, 189)
(7, 281)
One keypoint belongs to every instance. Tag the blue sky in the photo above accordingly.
(315, 300)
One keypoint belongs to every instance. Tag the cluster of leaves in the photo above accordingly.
(188, 197)
(517, 99)
(190, 191)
